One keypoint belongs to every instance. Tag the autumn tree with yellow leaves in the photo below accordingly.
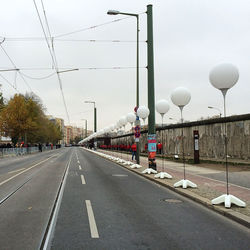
(23, 119)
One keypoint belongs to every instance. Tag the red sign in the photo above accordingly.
(137, 134)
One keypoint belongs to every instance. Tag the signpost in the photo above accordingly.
(196, 147)
(152, 151)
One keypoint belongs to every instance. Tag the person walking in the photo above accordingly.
(133, 148)
(159, 147)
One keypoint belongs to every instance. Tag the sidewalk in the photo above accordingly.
(207, 190)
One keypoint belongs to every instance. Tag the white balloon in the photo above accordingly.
(112, 127)
(131, 117)
(162, 107)
(224, 76)
(123, 121)
(143, 112)
(106, 130)
(181, 96)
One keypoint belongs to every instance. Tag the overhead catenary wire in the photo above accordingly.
(73, 68)
(55, 60)
(52, 52)
(95, 26)
(38, 78)
(13, 86)
(15, 67)
(91, 27)
(44, 32)
(41, 39)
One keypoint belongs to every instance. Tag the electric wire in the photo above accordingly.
(55, 59)
(41, 39)
(78, 68)
(52, 52)
(91, 27)
(45, 36)
(12, 62)
(10, 83)
(96, 26)
(38, 78)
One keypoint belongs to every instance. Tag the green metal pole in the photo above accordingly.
(137, 85)
(86, 131)
(137, 62)
(94, 119)
(151, 89)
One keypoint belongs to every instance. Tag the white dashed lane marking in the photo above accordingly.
(92, 223)
(83, 179)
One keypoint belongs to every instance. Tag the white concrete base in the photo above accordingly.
(121, 161)
(228, 199)
(135, 166)
(185, 184)
(163, 175)
(128, 163)
(149, 171)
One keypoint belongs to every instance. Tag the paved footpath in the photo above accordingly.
(207, 190)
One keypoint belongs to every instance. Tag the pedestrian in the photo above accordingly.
(133, 148)
(159, 147)
(40, 147)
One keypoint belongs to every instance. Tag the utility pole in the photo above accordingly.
(151, 90)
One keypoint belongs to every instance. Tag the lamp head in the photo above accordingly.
(113, 12)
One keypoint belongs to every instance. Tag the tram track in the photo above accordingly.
(47, 235)
(17, 188)
(31, 199)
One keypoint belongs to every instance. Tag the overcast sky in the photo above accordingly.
(190, 38)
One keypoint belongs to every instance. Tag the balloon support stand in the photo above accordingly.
(228, 200)
(163, 175)
(149, 171)
(185, 184)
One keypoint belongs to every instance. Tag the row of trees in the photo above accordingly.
(23, 119)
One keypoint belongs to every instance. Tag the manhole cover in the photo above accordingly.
(171, 200)
(120, 175)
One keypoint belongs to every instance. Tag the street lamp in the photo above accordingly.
(94, 114)
(116, 12)
(86, 121)
(150, 68)
(181, 97)
(224, 77)
(210, 107)
(162, 107)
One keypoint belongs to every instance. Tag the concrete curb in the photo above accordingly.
(236, 216)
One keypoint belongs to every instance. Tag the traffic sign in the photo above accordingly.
(137, 131)
(137, 134)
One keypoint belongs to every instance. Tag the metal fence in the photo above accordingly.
(20, 151)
